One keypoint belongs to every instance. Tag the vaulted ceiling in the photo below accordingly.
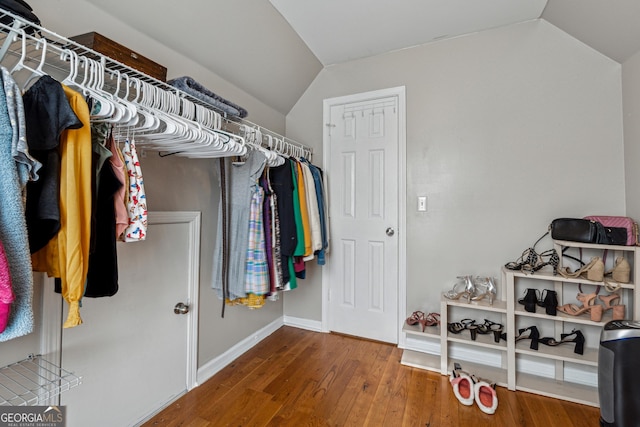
(273, 49)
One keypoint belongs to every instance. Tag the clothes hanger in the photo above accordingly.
(23, 51)
(150, 122)
(72, 57)
(119, 110)
(102, 106)
(37, 72)
(133, 110)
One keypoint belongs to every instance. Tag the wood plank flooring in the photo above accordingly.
(300, 378)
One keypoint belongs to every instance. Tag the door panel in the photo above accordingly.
(363, 293)
(132, 349)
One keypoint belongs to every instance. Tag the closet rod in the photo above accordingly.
(17, 23)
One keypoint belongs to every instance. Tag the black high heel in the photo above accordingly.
(530, 300)
(473, 331)
(549, 301)
(455, 327)
(491, 327)
(533, 334)
(497, 329)
(470, 324)
(578, 338)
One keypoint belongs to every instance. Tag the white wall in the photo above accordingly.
(507, 129)
(631, 105)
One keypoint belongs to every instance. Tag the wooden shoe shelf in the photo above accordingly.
(561, 366)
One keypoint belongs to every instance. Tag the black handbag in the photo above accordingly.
(586, 231)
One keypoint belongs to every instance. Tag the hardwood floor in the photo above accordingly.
(301, 378)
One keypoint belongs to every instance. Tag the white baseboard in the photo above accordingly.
(298, 322)
(216, 365)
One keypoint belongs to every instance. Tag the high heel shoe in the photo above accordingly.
(466, 289)
(470, 324)
(619, 274)
(531, 333)
(432, 319)
(621, 270)
(527, 261)
(530, 300)
(549, 301)
(415, 318)
(455, 327)
(463, 385)
(588, 305)
(491, 327)
(593, 271)
(575, 336)
(617, 310)
(549, 257)
(485, 288)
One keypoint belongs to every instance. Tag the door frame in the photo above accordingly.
(51, 336)
(400, 93)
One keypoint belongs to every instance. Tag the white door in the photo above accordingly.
(364, 203)
(133, 352)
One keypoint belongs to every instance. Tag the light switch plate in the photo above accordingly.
(422, 203)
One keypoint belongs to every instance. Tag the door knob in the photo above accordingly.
(181, 308)
(390, 231)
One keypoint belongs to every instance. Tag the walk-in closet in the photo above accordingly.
(264, 212)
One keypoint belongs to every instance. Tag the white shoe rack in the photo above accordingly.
(557, 379)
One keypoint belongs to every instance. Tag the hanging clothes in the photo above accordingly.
(312, 210)
(28, 166)
(137, 198)
(324, 229)
(241, 181)
(13, 234)
(272, 236)
(281, 180)
(102, 277)
(6, 290)
(304, 211)
(257, 268)
(47, 115)
(66, 256)
(116, 162)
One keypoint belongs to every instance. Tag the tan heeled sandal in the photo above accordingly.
(593, 271)
(620, 273)
(588, 306)
(616, 309)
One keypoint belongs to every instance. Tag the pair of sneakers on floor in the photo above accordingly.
(468, 389)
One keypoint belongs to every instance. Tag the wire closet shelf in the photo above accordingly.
(34, 381)
(27, 46)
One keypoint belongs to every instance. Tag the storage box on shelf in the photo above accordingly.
(563, 355)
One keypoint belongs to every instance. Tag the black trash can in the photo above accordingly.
(619, 374)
